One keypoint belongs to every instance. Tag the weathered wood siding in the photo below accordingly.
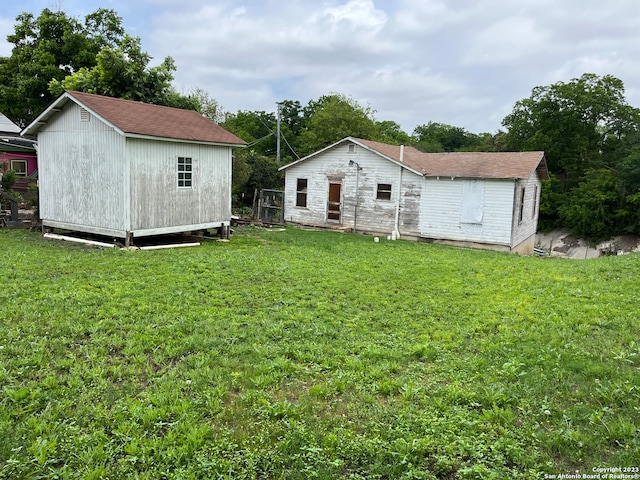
(156, 200)
(442, 205)
(372, 215)
(82, 171)
(94, 179)
(526, 229)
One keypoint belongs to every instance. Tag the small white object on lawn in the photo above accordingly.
(376, 239)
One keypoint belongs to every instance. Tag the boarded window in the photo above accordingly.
(301, 192)
(185, 172)
(535, 202)
(384, 191)
(472, 207)
(20, 167)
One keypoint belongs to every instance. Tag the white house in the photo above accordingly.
(486, 200)
(128, 169)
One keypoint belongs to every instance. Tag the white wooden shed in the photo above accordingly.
(129, 169)
(478, 199)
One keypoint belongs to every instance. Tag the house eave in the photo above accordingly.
(180, 140)
(351, 140)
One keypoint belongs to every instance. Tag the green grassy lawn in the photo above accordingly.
(297, 354)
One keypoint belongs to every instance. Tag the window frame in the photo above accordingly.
(184, 173)
(384, 194)
(13, 161)
(523, 191)
(302, 193)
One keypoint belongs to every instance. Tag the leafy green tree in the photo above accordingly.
(574, 123)
(595, 208)
(291, 117)
(491, 142)
(331, 118)
(50, 47)
(590, 137)
(207, 105)
(123, 72)
(440, 137)
(252, 170)
(390, 132)
(257, 128)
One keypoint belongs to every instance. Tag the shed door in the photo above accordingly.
(334, 206)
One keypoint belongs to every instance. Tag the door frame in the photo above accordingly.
(337, 205)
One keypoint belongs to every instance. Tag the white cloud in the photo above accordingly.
(462, 62)
(358, 13)
(508, 40)
(6, 28)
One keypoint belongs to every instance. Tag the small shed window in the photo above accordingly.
(535, 202)
(384, 191)
(351, 148)
(84, 115)
(301, 192)
(185, 172)
(20, 167)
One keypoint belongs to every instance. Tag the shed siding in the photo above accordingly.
(156, 200)
(441, 210)
(372, 215)
(81, 170)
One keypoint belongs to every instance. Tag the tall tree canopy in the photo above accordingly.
(123, 72)
(50, 47)
(578, 124)
(331, 118)
(440, 137)
(589, 134)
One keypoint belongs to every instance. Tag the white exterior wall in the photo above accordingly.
(441, 211)
(525, 231)
(94, 179)
(371, 215)
(82, 173)
(159, 206)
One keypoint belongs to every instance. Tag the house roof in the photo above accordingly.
(7, 126)
(466, 164)
(12, 143)
(144, 119)
(498, 165)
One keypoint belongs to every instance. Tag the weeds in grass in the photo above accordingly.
(313, 355)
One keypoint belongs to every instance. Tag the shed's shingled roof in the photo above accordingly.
(137, 118)
(465, 164)
(155, 120)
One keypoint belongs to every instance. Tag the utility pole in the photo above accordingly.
(278, 133)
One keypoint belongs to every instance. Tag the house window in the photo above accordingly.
(20, 167)
(535, 202)
(351, 148)
(520, 215)
(384, 191)
(301, 192)
(185, 172)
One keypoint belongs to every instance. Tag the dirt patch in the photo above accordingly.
(560, 243)
(629, 243)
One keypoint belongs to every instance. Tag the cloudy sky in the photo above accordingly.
(460, 62)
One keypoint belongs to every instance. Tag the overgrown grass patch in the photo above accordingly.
(300, 354)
